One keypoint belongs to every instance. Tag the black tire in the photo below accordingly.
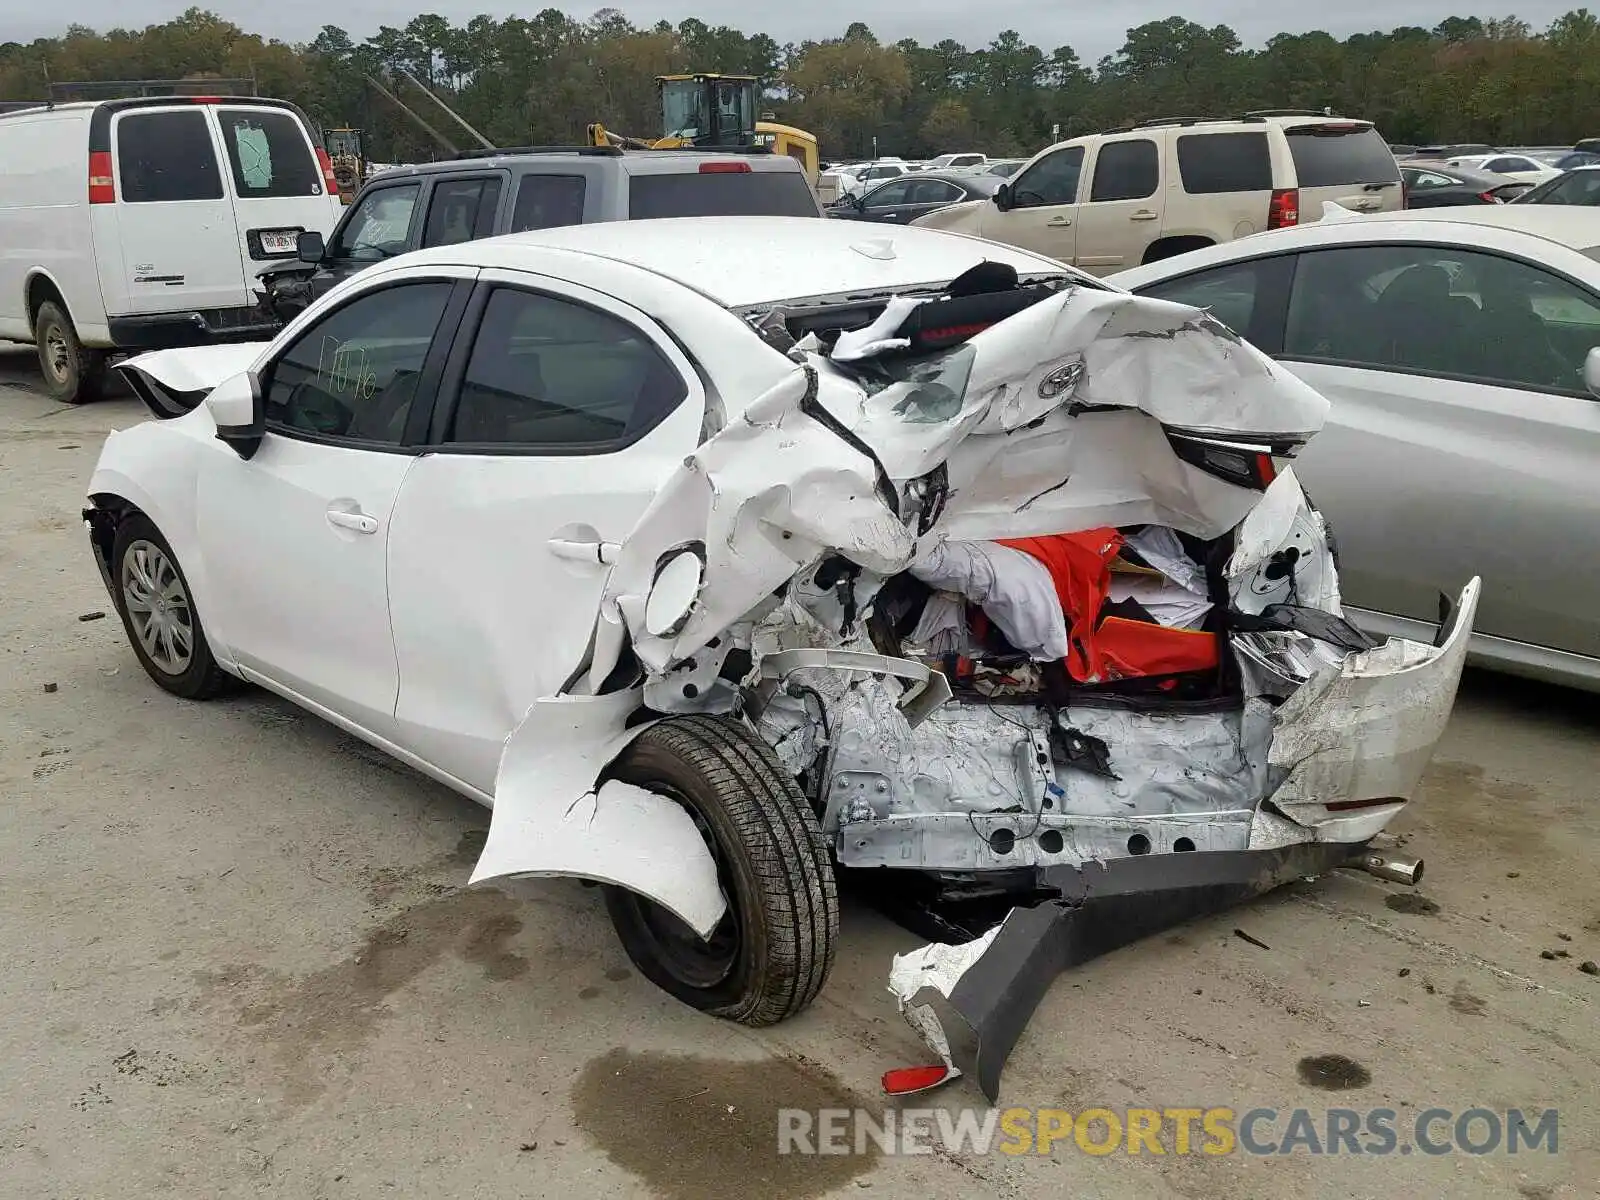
(200, 678)
(72, 374)
(771, 954)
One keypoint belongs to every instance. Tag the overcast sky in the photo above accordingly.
(1093, 29)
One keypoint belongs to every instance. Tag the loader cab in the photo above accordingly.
(708, 110)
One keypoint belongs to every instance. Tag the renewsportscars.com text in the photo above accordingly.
(1177, 1131)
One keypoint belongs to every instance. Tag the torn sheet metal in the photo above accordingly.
(173, 382)
(549, 818)
(823, 463)
(972, 1007)
(1364, 731)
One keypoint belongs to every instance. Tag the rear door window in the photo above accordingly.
(1339, 153)
(720, 194)
(166, 156)
(1580, 187)
(547, 372)
(269, 154)
(1224, 162)
(1442, 311)
(461, 210)
(548, 201)
(1126, 171)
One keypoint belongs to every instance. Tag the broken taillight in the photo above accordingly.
(1252, 465)
(1283, 210)
(903, 1081)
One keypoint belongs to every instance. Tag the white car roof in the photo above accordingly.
(742, 261)
(1559, 229)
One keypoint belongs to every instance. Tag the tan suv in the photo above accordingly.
(1115, 200)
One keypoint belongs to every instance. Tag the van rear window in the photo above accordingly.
(720, 194)
(1337, 154)
(164, 156)
(269, 154)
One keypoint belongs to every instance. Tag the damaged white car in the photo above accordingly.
(727, 558)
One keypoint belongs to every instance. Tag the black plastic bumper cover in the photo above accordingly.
(1102, 906)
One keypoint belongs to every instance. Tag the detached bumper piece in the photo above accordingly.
(971, 1002)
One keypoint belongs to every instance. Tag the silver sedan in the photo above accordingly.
(1458, 349)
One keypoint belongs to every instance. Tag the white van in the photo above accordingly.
(122, 230)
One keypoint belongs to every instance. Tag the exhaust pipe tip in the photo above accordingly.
(1396, 868)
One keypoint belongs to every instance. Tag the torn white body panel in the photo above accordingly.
(825, 463)
(1364, 731)
(551, 818)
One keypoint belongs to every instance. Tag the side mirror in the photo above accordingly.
(1002, 197)
(309, 247)
(1591, 371)
(237, 407)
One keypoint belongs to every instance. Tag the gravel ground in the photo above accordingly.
(240, 958)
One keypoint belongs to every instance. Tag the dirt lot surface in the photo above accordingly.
(240, 958)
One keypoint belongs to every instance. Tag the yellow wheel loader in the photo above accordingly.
(712, 110)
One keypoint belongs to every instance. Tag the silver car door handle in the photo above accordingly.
(604, 553)
(1143, 214)
(1060, 221)
(357, 521)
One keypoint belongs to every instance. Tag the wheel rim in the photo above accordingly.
(698, 963)
(157, 604)
(56, 352)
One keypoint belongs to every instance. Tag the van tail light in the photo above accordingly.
(329, 179)
(102, 183)
(1283, 212)
(724, 168)
(1249, 464)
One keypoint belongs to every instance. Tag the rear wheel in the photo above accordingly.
(72, 373)
(772, 951)
(163, 626)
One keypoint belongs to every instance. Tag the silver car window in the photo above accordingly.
(1444, 311)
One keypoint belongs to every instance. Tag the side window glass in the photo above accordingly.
(1126, 171)
(935, 191)
(1051, 180)
(550, 372)
(889, 193)
(461, 210)
(1444, 311)
(548, 201)
(1228, 293)
(378, 226)
(1222, 162)
(165, 156)
(354, 373)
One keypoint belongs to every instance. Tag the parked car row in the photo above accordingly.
(172, 221)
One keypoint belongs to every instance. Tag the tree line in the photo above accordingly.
(541, 79)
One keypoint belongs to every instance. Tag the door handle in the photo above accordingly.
(1060, 221)
(600, 553)
(358, 521)
(1144, 214)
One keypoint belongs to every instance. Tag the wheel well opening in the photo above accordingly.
(106, 513)
(1167, 247)
(40, 290)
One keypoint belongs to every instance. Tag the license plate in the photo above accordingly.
(279, 241)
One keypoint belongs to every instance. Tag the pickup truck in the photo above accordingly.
(483, 193)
